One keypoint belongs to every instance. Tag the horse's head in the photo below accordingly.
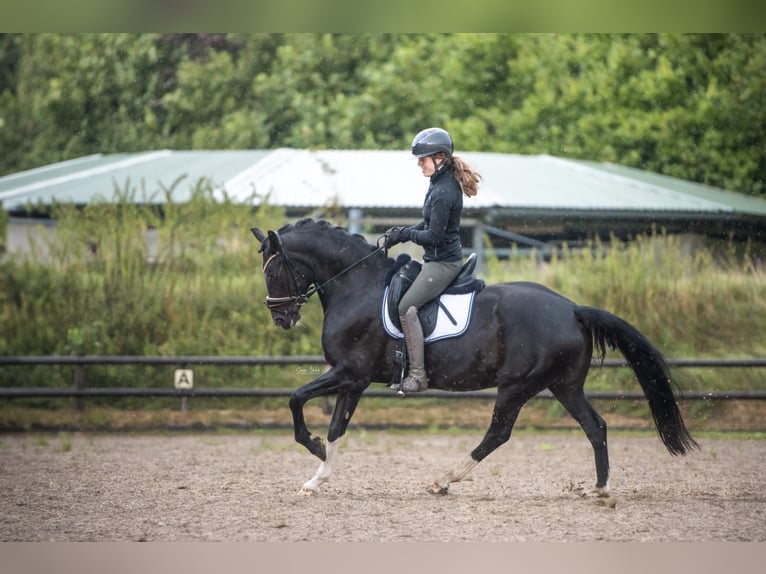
(287, 285)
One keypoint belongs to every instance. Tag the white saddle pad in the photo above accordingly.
(459, 306)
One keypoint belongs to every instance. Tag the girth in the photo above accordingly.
(403, 274)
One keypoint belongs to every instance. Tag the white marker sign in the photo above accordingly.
(184, 378)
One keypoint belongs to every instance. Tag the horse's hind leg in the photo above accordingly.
(573, 399)
(507, 407)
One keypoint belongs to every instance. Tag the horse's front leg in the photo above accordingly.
(344, 409)
(333, 382)
(326, 384)
(323, 472)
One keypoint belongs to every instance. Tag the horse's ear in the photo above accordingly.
(275, 242)
(259, 235)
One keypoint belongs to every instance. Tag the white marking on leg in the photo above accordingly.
(598, 492)
(458, 473)
(323, 472)
(595, 492)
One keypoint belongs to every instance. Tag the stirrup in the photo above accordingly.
(414, 384)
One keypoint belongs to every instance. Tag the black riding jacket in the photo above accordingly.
(439, 232)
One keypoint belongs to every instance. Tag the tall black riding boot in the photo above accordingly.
(416, 379)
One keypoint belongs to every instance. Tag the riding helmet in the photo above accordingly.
(430, 141)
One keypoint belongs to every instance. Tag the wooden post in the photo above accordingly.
(79, 384)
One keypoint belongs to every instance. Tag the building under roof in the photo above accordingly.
(540, 197)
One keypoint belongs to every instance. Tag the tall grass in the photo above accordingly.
(99, 287)
(685, 301)
(700, 302)
(123, 278)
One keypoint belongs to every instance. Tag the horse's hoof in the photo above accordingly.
(306, 491)
(436, 488)
(596, 492)
(318, 448)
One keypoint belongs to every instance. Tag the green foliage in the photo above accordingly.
(686, 105)
(651, 279)
(81, 94)
(690, 302)
(120, 278)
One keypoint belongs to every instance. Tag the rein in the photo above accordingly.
(302, 299)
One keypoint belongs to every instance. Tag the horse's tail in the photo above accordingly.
(650, 369)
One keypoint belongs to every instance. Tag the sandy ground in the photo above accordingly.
(243, 487)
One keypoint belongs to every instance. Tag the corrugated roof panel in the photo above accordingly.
(300, 178)
(634, 193)
(380, 179)
(72, 178)
(373, 179)
(47, 172)
(736, 201)
(82, 180)
(547, 182)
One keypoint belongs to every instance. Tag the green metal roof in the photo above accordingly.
(83, 179)
(373, 180)
(738, 202)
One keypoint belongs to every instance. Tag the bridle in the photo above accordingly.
(300, 299)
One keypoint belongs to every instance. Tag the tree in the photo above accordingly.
(687, 105)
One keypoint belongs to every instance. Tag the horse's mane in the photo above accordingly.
(322, 226)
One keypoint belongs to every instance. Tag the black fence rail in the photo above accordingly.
(80, 391)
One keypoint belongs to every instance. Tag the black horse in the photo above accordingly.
(523, 338)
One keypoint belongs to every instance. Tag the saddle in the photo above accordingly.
(400, 279)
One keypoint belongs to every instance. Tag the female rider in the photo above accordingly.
(439, 235)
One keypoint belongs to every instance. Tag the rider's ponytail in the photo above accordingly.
(466, 175)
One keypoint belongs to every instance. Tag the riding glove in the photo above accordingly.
(394, 236)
